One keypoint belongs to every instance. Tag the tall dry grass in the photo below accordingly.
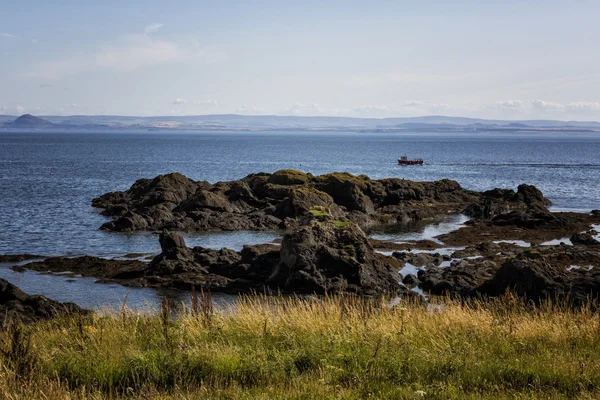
(331, 347)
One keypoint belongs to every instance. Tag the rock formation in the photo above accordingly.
(17, 305)
(278, 201)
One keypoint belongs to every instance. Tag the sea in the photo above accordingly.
(47, 182)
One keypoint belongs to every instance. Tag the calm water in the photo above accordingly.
(47, 180)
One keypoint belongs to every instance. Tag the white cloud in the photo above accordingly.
(7, 35)
(179, 101)
(546, 105)
(20, 109)
(152, 27)
(74, 105)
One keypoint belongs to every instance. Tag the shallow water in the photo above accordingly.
(419, 230)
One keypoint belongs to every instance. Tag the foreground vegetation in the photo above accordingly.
(339, 347)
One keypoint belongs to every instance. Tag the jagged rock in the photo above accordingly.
(347, 191)
(459, 279)
(332, 255)
(584, 238)
(89, 266)
(17, 305)
(301, 200)
(6, 258)
(175, 258)
(530, 219)
(532, 279)
(204, 199)
(411, 280)
(531, 196)
(279, 200)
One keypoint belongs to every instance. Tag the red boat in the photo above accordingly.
(405, 161)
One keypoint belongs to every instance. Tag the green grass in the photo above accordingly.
(339, 347)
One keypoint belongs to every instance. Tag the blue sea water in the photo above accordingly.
(47, 180)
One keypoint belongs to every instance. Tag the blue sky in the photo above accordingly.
(494, 59)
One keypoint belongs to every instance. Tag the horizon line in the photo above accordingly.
(294, 116)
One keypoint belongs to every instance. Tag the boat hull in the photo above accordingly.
(410, 162)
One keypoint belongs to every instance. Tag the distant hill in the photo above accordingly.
(29, 121)
(225, 122)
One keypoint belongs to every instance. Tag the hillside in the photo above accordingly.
(224, 122)
(29, 121)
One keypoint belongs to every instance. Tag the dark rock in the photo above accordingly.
(411, 280)
(176, 257)
(12, 258)
(279, 200)
(458, 279)
(346, 190)
(89, 266)
(331, 255)
(532, 279)
(531, 196)
(17, 305)
(584, 238)
(301, 200)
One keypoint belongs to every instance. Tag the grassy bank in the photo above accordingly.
(332, 348)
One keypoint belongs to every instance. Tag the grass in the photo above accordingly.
(290, 348)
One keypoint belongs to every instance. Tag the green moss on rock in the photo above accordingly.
(290, 177)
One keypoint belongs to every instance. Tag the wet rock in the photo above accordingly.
(532, 279)
(331, 255)
(461, 278)
(411, 280)
(595, 212)
(175, 257)
(17, 305)
(88, 266)
(13, 258)
(425, 259)
(584, 238)
(531, 196)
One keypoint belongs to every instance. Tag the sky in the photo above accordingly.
(525, 59)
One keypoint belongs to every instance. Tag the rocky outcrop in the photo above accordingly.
(329, 255)
(461, 278)
(584, 238)
(280, 200)
(528, 205)
(17, 305)
(89, 267)
(531, 279)
(12, 258)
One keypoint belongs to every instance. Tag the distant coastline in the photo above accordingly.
(234, 122)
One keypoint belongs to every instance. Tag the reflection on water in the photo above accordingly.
(419, 230)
